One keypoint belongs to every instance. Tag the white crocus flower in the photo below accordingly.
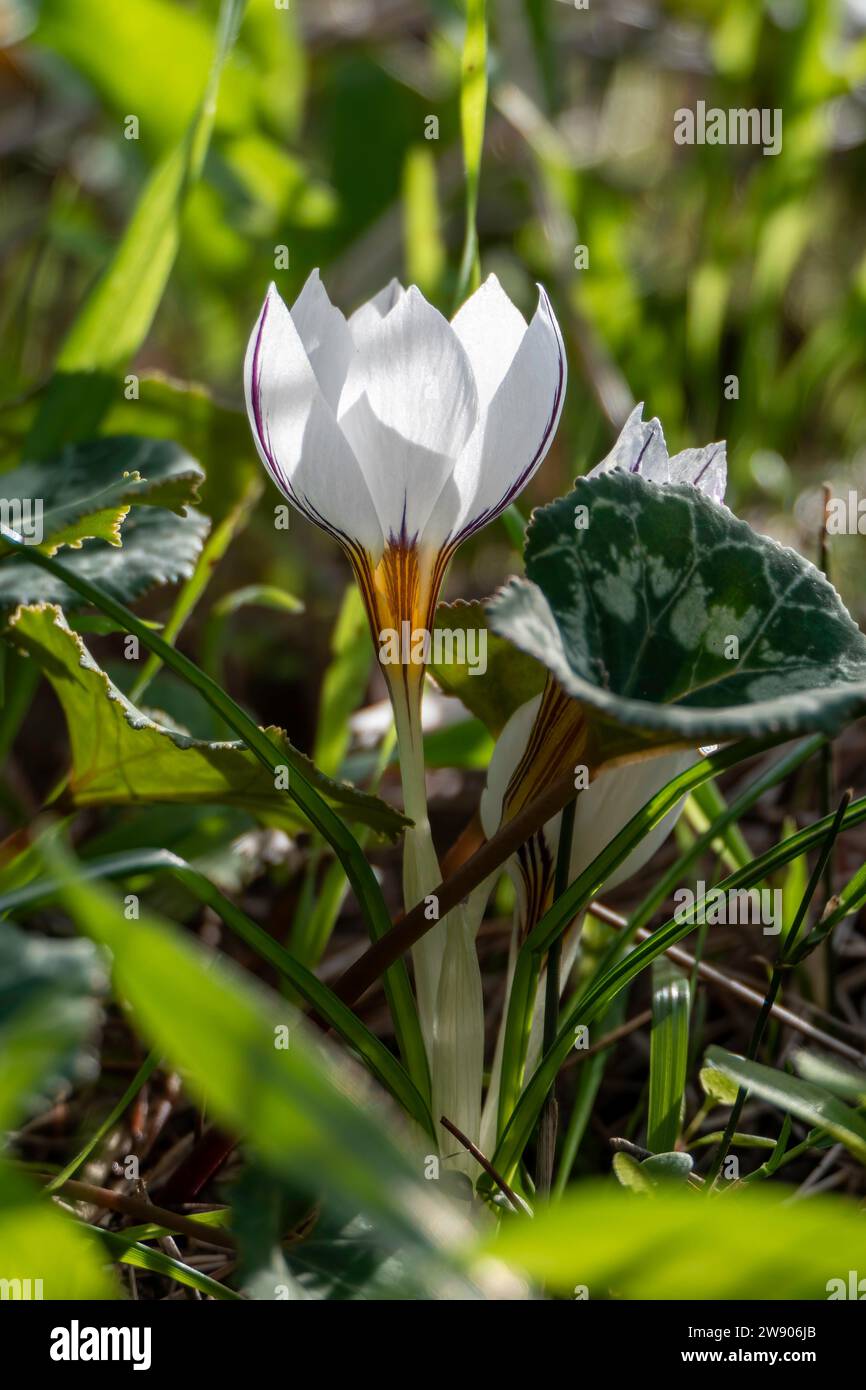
(546, 734)
(401, 434)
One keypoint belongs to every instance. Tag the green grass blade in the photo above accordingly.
(473, 110)
(605, 987)
(833, 1075)
(156, 1262)
(728, 841)
(116, 317)
(329, 825)
(589, 1079)
(777, 772)
(557, 919)
(381, 1063)
(148, 1066)
(802, 1099)
(669, 1048)
(301, 1108)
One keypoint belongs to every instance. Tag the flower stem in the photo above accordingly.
(421, 872)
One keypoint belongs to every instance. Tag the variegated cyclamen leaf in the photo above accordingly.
(660, 610)
(86, 491)
(157, 547)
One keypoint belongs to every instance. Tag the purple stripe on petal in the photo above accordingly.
(257, 394)
(490, 513)
(696, 481)
(635, 468)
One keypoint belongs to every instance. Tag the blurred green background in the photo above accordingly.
(704, 262)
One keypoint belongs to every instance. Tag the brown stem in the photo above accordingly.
(146, 1211)
(484, 1162)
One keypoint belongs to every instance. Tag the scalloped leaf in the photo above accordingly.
(86, 492)
(635, 616)
(158, 547)
(122, 756)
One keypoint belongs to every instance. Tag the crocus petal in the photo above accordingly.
(490, 1109)
(491, 330)
(601, 811)
(407, 409)
(458, 1050)
(504, 759)
(706, 469)
(609, 803)
(640, 448)
(326, 337)
(521, 389)
(297, 435)
(365, 320)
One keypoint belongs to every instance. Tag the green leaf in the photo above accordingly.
(832, 1075)
(259, 1221)
(161, 80)
(668, 1165)
(718, 1087)
(157, 547)
(473, 110)
(349, 1260)
(614, 974)
(344, 683)
(634, 615)
(49, 1006)
(631, 1175)
(802, 1099)
(38, 1241)
(302, 1108)
(211, 430)
(88, 489)
(121, 755)
(118, 313)
(510, 679)
(613, 1243)
(381, 1062)
(669, 1047)
(140, 1256)
(314, 806)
